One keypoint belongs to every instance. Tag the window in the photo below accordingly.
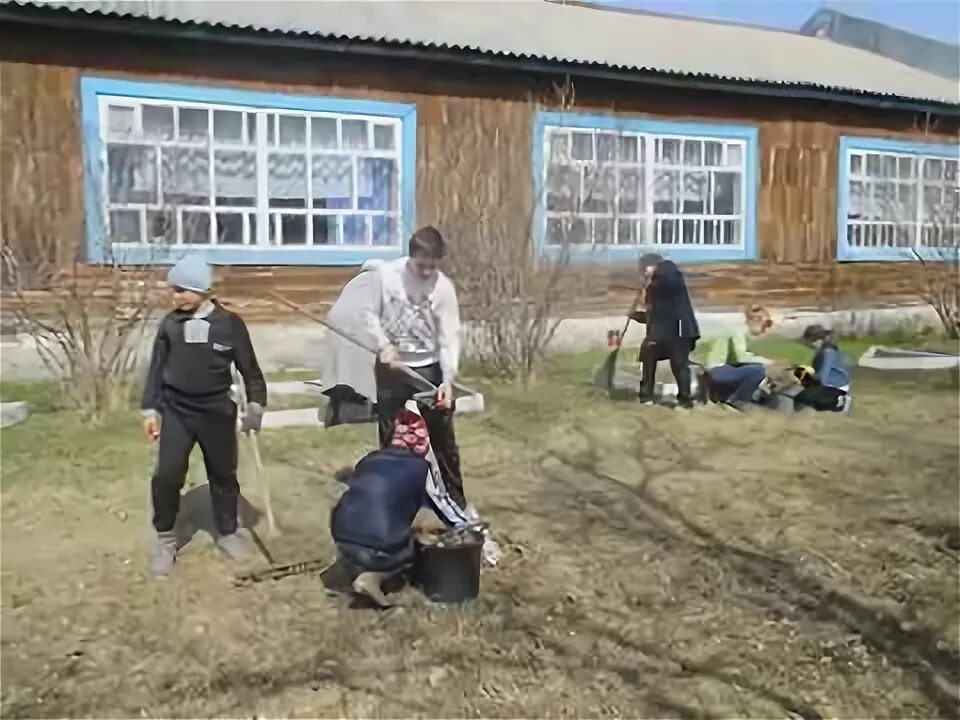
(251, 178)
(897, 200)
(621, 188)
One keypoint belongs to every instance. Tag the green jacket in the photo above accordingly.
(732, 350)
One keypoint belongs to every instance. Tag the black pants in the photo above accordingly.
(393, 391)
(677, 351)
(217, 435)
(820, 397)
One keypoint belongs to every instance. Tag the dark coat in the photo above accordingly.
(384, 494)
(670, 314)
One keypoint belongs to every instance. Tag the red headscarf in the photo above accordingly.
(410, 431)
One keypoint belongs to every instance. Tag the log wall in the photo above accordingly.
(41, 194)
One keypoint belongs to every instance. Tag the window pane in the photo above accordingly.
(726, 193)
(888, 165)
(563, 188)
(906, 168)
(629, 149)
(355, 135)
(873, 165)
(694, 193)
(577, 232)
(933, 169)
(885, 201)
(235, 177)
(287, 180)
(555, 232)
(354, 230)
(293, 229)
(252, 128)
(325, 230)
(599, 191)
(855, 207)
(132, 173)
(383, 137)
(582, 146)
(933, 203)
(323, 132)
(559, 147)
(185, 176)
(950, 171)
(377, 184)
(666, 191)
(196, 227)
(627, 232)
(606, 147)
(125, 226)
(689, 232)
(120, 120)
(734, 156)
(603, 231)
(293, 130)
(668, 151)
(227, 126)
(631, 192)
(194, 124)
(229, 228)
(856, 164)
(332, 181)
(385, 231)
(161, 227)
(157, 122)
(692, 152)
(713, 153)
(732, 232)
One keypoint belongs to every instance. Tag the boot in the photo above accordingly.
(235, 547)
(369, 585)
(164, 554)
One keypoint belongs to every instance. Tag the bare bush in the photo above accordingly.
(513, 299)
(87, 323)
(940, 287)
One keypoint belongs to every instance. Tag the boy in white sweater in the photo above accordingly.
(416, 321)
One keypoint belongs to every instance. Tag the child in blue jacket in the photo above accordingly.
(828, 387)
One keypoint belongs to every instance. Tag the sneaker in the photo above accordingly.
(645, 399)
(369, 585)
(235, 547)
(164, 554)
(686, 404)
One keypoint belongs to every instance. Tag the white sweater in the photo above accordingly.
(420, 318)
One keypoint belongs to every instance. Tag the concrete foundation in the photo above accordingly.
(297, 345)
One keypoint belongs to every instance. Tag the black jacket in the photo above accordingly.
(387, 489)
(196, 376)
(671, 313)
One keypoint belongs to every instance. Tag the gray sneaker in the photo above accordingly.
(164, 554)
(235, 547)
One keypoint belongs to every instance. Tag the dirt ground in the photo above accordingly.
(657, 564)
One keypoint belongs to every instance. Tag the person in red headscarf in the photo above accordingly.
(371, 523)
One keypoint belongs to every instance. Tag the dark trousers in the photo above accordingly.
(821, 397)
(393, 391)
(677, 351)
(217, 435)
(737, 383)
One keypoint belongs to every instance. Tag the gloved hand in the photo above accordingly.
(252, 419)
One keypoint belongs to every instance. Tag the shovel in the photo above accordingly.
(604, 374)
(257, 463)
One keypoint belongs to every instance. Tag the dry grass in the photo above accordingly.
(657, 564)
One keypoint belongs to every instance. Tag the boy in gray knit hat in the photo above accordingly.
(187, 401)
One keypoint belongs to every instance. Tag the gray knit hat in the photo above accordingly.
(191, 273)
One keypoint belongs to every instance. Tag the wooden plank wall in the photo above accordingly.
(474, 141)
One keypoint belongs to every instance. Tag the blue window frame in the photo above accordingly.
(610, 189)
(897, 200)
(247, 178)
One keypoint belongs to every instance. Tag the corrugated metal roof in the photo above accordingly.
(534, 29)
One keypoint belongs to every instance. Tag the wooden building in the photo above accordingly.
(291, 142)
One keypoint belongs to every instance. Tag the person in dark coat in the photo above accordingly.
(672, 329)
(372, 522)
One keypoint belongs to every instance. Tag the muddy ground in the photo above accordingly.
(657, 564)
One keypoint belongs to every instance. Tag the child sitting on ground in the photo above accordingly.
(733, 373)
(827, 388)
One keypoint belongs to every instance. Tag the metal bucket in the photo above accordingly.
(447, 566)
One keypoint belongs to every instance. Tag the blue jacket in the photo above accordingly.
(385, 493)
(830, 367)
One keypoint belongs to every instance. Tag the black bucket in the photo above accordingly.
(449, 572)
